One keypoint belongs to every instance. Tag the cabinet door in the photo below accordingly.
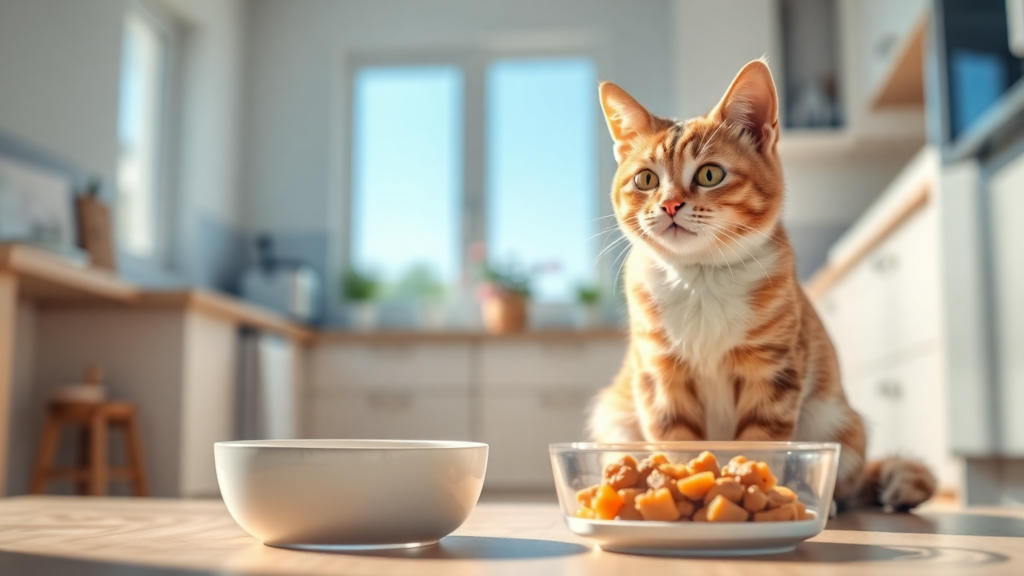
(520, 426)
(389, 414)
(515, 366)
(399, 366)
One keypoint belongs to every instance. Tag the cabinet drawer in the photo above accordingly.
(390, 366)
(520, 426)
(519, 365)
(389, 414)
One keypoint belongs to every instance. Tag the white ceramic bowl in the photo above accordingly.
(338, 494)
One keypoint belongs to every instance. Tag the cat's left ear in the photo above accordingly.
(751, 102)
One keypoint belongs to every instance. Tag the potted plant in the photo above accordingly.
(503, 294)
(359, 290)
(588, 297)
(421, 285)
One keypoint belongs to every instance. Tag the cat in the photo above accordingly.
(724, 344)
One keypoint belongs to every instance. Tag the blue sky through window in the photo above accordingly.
(542, 170)
(407, 170)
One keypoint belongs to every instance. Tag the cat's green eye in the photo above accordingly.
(710, 175)
(646, 180)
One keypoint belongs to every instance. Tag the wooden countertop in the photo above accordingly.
(69, 535)
(403, 337)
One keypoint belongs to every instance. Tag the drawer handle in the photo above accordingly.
(890, 389)
(389, 401)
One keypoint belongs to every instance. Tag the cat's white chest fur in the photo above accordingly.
(705, 311)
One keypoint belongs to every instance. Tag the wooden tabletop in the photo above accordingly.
(67, 535)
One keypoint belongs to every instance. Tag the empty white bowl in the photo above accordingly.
(338, 494)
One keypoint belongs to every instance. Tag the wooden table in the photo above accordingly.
(67, 535)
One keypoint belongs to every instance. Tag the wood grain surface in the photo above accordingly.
(102, 536)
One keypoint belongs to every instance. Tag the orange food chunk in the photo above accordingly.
(628, 510)
(674, 471)
(696, 486)
(657, 505)
(705, 462)
(754, 500)
(585, 513)
(801, 511)
(648, 465)
(607, 503)
(585, 497)
(685, 508)
(730, 488)
(620, 475)
(700, 515)
(779, 496)
(785, 513)
(756, 474)
(721, 509)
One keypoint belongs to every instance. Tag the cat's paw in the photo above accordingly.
(904, 484)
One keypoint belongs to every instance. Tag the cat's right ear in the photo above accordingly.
(626, 118)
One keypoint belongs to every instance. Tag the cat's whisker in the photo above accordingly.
(756, 261)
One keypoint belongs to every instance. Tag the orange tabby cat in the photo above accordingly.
(724, 344)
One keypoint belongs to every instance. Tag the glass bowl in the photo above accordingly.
(807, 468)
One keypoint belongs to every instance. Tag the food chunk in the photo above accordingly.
(721, 509)
(696, 486)
(657, 505)
(705, 462)
(658, 480)
(730, 488)
(585, 497)
(674, 471)
(754, 500)
(784, 513)
(607, 503)
(779, 496)
(686, 508)
(628, 510)
(621, 475)
(655, 489)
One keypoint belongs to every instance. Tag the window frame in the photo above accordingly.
(164, 219)
(474, 63)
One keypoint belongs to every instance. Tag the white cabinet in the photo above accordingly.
(388, 365)
(389, 414)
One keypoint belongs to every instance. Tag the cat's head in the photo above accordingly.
(703, 190)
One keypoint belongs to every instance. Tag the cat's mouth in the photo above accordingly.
(676, 231)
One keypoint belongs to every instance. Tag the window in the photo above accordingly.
(143, 69)
(810, 50)
(542, 171)
(407, 173)
(413, 219)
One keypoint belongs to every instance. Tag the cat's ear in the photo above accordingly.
(626, 118)
(751, 102)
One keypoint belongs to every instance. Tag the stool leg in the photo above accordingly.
(84, 450)
(44, 459)
(134, 441)
(99, 463)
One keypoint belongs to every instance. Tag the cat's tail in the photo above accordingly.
(896, 483)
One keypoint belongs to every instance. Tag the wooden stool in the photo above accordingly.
(94, 472)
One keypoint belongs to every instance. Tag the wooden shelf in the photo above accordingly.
(903, 81)
(48, 278)
(408, 337)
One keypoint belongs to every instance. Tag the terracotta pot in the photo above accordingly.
(504, 313)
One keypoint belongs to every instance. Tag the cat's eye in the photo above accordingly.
(646, 180)
(710, 175)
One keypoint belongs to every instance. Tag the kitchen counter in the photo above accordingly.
(100, 536)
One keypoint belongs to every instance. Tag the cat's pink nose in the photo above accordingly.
(672, 206)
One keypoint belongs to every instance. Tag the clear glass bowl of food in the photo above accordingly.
(696, 498)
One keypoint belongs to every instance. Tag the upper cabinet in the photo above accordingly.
(891, 50)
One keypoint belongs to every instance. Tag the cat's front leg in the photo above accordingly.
(668, 406)
(767, 405)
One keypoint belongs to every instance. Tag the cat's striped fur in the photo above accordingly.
(724, 344)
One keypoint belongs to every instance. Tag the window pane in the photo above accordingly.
(142, 59)
(541, 171)
(407, 171)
